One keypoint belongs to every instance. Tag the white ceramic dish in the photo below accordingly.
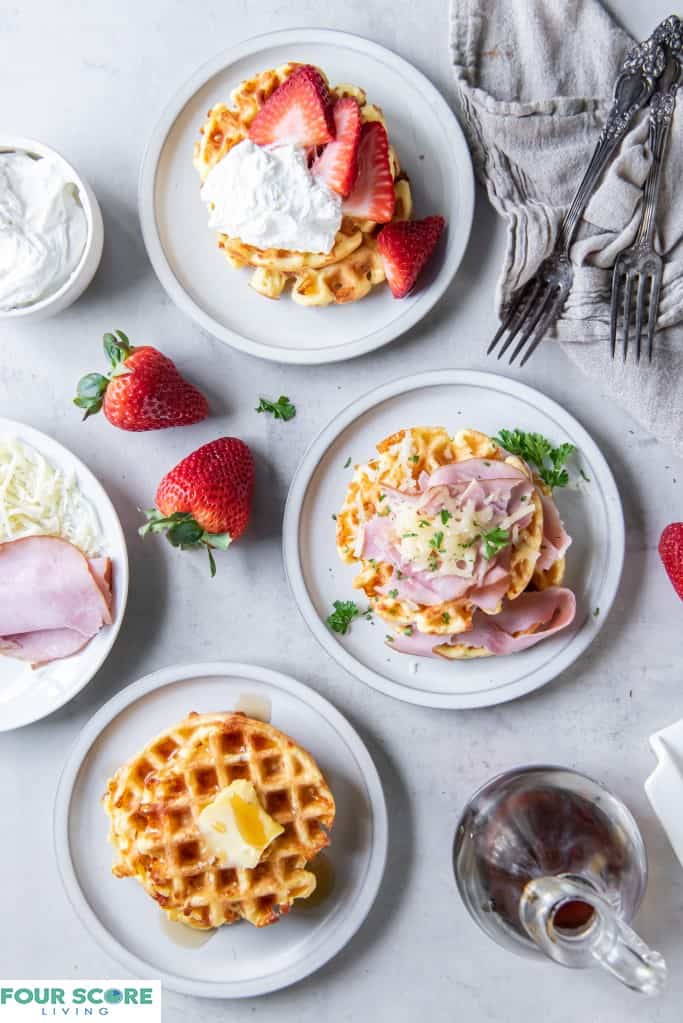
(81, 277)
(664, 787)
(241, 960)
(27, 695)
(454, 399)
(184, 253)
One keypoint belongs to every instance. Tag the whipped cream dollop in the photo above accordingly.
(267, 197)
(43, 229)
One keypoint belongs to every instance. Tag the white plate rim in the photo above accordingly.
(37, 439)
(292, 561)
(343, 932)
(155, 251)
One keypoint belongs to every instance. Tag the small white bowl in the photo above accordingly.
(81, 277)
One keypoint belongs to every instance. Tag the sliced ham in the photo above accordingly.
(494, 490)
(52, 600)
(556, 540)
(100, 569)
(42, 647)
(550, 610)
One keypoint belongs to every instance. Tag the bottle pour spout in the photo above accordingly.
(575, 926)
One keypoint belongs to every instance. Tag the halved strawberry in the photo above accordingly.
(405, 247)
(373, 196)
(337, 165)
(298, 113)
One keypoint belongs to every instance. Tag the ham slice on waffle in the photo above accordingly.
(489, 583)
(155, 799)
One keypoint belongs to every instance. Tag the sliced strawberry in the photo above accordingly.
(405, 247)
(337, 165)
(373, 196)
(298, 113)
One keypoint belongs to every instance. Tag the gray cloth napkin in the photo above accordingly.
(535, 80)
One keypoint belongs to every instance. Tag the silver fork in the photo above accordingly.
(640, 265)
(539, 302)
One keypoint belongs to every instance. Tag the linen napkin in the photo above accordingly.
(535, 80)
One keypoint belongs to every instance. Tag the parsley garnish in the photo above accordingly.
(494, 541)
(280, 409)
(537, 449)
(407, 536)
(436, 540)
(583, 476)
(342, 616)
(446, 618)
(445, 516)
(347, 463)
(423, 523)
(408, 630)
(414, 459)
(393, 594)
(596, 612)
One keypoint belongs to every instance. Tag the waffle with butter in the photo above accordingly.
(401, 460)
(353, 267)
(155, 799)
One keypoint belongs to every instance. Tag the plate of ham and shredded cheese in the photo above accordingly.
(63, 575)
(455, 539)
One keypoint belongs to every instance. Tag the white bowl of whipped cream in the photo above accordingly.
(51, 231)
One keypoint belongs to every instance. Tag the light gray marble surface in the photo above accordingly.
(90, 79)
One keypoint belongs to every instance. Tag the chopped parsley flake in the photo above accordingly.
(414, 459)
(280, 409)
(583, 476)
(423, 523)
(393, 594)
(342, 616)
(408, 631)
(445, 516)
(446, 618)
(494, 541)
(407, 536)
(596, 612)
(347, 463)
(437, 540)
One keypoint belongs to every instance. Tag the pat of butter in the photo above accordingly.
(235, 828)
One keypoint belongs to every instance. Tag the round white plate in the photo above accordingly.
(455, 399)
(26, 694)
(241, 960)
(184, 253)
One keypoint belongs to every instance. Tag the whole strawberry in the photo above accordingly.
(206, 500)
(671, 553)
(143, 391)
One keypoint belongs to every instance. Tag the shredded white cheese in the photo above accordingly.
(37, 499)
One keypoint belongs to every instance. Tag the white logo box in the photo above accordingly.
(113, 1001)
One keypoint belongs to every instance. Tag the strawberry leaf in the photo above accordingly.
(90, 394)
(117, 349)
(220, 540)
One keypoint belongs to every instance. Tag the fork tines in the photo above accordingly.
(644, 285)
(530, 314)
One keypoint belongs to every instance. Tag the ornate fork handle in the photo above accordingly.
(633, 90)
(661, 115)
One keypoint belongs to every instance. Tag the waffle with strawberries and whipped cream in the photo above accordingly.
(354, 265)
